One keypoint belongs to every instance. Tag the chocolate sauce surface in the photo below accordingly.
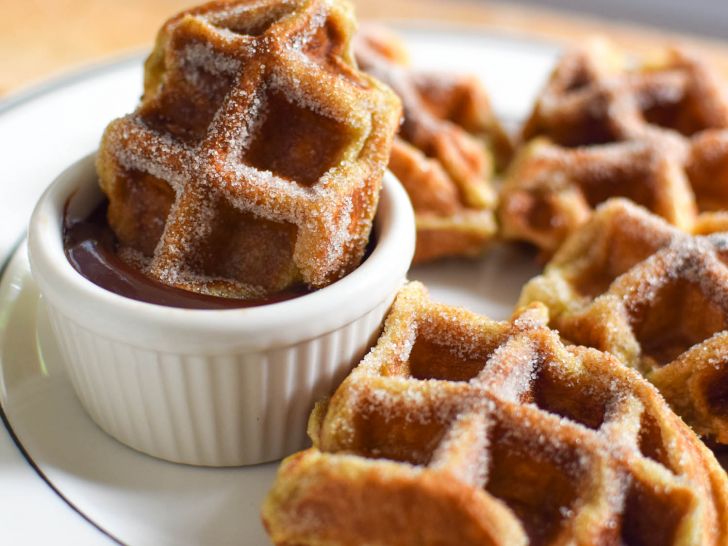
(91, 245)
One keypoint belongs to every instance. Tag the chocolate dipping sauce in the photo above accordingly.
(90, 247)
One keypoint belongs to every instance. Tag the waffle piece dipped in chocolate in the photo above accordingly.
(656, 134)
(655, 297)
(254, 161)
(446, 149)
(456, 429)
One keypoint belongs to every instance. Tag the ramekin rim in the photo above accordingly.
(387, 262)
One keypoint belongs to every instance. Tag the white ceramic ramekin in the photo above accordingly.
(210, 387)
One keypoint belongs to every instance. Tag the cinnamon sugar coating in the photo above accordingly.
(446, 150)
(655, 297)
(456, 429)
(254, 160)
(655, 133)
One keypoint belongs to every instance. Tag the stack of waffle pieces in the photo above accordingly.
(656, 133)
(254, 163)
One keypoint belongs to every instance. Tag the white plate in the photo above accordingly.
(128, 496)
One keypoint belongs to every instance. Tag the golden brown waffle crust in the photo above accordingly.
(253, 111)
(655, 133)
(450, 442)
(446, 150)
(653, 296)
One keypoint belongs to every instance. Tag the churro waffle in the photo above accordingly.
(653, 296)
(655, 134)
(551, 190)
(456, 429)
(255, 158)
(445, 151)
(595, 95)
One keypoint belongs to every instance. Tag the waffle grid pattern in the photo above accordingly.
(253, 112)
(456, 429)
(602, 127)
(653, 296)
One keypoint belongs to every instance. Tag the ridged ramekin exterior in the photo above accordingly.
(216, 410)
(213, 388)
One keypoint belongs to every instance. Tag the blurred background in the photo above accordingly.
(702, 17)
(42, 38)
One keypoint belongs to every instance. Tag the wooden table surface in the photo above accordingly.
(42, 38)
